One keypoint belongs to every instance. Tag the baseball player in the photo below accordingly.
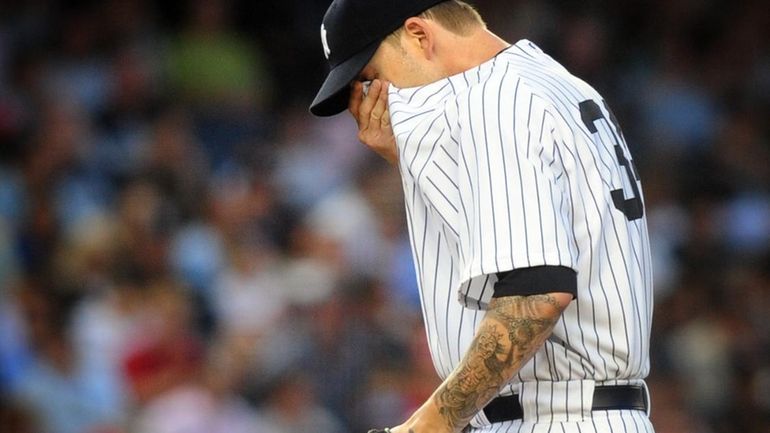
(525, 214)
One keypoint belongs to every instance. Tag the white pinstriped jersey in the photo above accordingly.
(517, 163)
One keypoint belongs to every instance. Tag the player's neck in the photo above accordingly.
(475, 49)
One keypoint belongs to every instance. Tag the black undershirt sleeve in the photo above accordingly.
(536, 280)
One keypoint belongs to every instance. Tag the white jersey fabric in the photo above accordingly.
(517, 163)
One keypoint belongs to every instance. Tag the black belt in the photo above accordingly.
(620, 397)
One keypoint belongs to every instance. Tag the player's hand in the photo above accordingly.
(426, 419)
(371, 114)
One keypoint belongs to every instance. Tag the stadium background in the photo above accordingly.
(184, 249)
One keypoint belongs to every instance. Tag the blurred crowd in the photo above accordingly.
(183, 248)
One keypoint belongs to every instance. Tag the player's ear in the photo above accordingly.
(419, 33)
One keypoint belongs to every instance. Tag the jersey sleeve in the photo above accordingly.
(516, 207)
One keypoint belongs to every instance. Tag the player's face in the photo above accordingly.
(403, 64)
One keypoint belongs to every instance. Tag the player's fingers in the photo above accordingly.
(381, 105)
(356, 97)
(385, 119)
(365, 110)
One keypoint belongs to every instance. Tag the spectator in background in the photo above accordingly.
(209, 65)
(222, 77)
(56, 386)
(17, 418)
(176, 385)
(293, 407)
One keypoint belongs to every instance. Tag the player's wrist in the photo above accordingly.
(428, 419)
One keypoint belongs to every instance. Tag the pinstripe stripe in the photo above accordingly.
(445, 370)
(521, 183)
(447, 309)
(489, 169)
(477, 185)
(636, 423)
(447, 154)
(396, 115)
(505, 165)
(448, 177)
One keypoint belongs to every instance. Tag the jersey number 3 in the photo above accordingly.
(632, 207)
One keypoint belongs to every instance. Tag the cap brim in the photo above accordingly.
(334, 95)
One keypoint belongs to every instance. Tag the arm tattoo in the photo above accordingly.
(512, 331)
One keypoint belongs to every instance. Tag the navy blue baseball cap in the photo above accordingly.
(351, 32)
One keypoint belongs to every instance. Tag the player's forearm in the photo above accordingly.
(512, 331)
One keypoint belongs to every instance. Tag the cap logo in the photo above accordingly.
(327, 50)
